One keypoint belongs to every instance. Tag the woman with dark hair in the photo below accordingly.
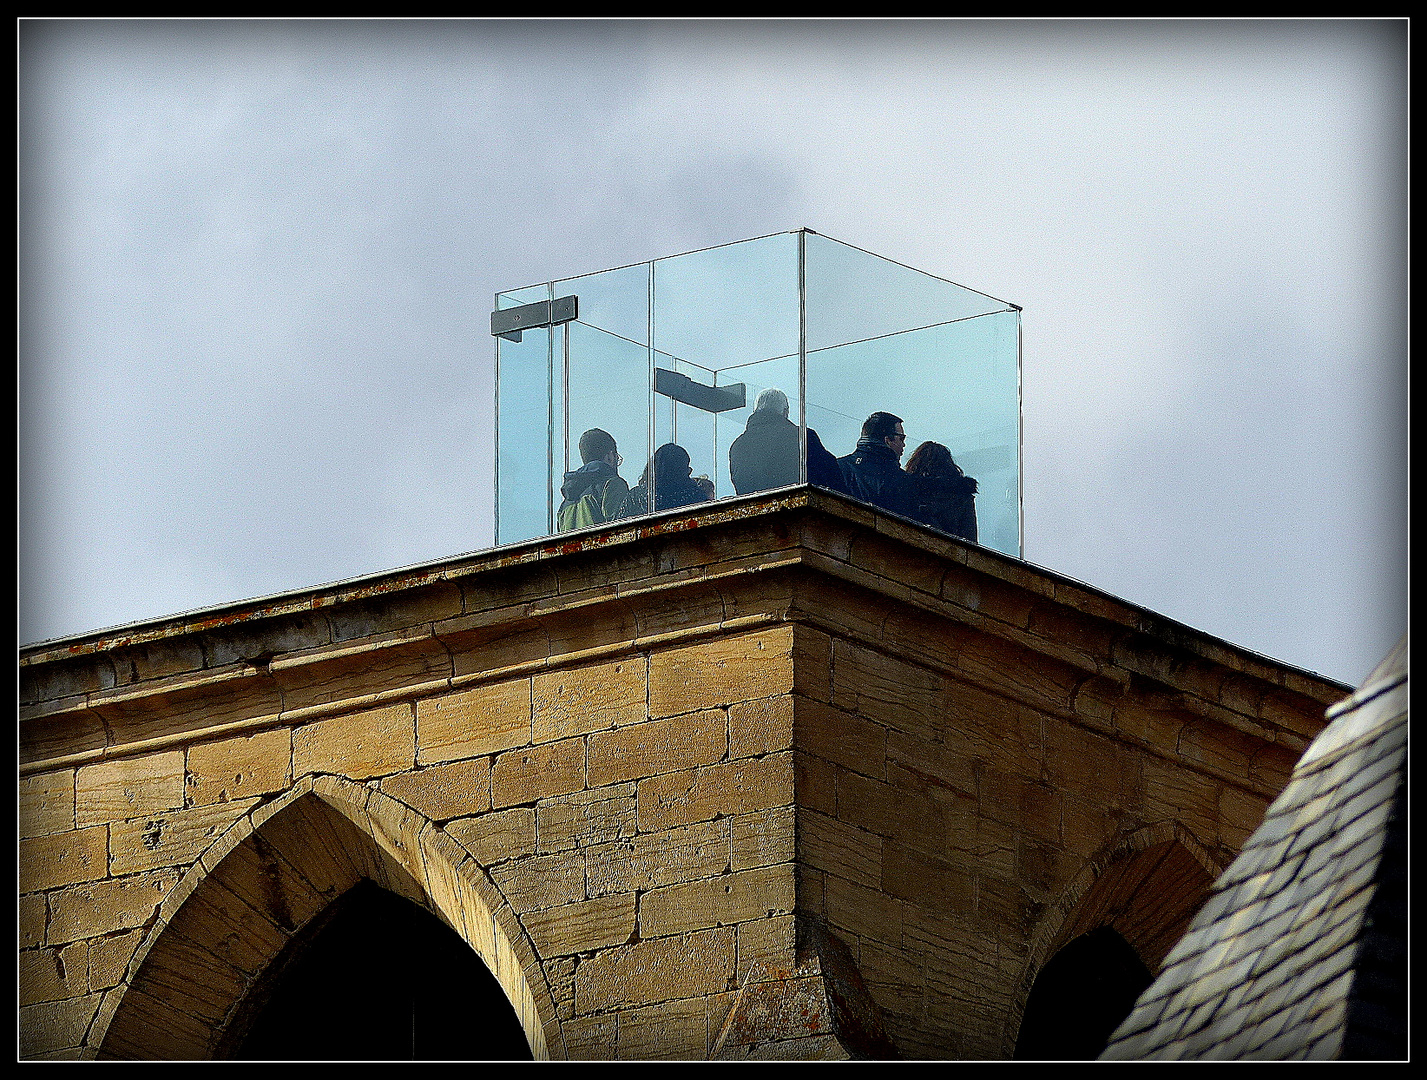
(673, 484)
(942, 495)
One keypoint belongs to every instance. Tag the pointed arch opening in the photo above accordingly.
(1100, 946)
(268, 911)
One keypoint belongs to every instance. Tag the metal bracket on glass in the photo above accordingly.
(509, 322)
(714, 399)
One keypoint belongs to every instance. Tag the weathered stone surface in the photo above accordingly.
(442, 792)
(102, 907)
(720, 672)
(483, 720)
(719, 901)
(47, 862)
(47, 803)
(652, 971)
(575, 701)
(360, 745)
(650, 860)
(235, 769)
(538, 772)
(584, 818)
(128, 787)
(176, 839)
(55, 1025)
(702, 794)
(760, 727)
(493, 838)
(657, 746)
(581, 927)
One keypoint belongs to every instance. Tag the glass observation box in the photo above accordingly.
(749, 367)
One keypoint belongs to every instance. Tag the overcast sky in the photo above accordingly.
(257, 264)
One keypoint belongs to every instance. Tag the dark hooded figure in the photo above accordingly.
(873, 472)
(766, 454)
(673, 484)
(942, 495)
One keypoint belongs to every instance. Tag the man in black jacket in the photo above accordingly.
(873, 472)
(766, 454)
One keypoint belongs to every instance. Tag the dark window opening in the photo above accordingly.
(379, 978)
(1081, 997)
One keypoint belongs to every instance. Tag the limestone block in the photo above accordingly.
(55, 1025)
(54, 974)
(657, 746)
(498, 837)
(740, 786)
(540, 881)
(762, 838)
(47, 862)
(650, 860)
(128, 787)
(47, 803)
(360, 745)
(860, 911)
(575, 701)
(32, 916)
(720, 671)
(771, 942)
(486, 719)
(102, 907)
(839, 848)
(239, 768)
(176, 839)
(581, 927)
(673, 1031)
(842, 738)
(538, 772)
(653, 971)
(721, 901)
(109, 958)
(762, 726)
(583, 818)
(891, 812)
(590, 1038)
(900, 695)
(441, 792)
(812, 655)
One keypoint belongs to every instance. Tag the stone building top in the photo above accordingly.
(631, 563)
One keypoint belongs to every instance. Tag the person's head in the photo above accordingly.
(885, 429)
(774, 401)
(932, 459)
(598, 445)
(670, 462)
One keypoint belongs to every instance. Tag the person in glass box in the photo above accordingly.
(595, 492)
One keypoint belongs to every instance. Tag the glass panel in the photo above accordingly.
(523, 450)
(609, 390)
(853, 295)
(608, 375)
(956, 384)
(763, 460)
(657, 344)
(716, 312)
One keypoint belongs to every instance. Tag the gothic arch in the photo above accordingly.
(1146, 886)
(271, 873)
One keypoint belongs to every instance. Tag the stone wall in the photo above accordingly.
(781, 777)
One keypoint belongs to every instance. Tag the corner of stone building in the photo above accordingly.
(820, 1010)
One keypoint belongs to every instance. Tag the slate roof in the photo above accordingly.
(1300, 951)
